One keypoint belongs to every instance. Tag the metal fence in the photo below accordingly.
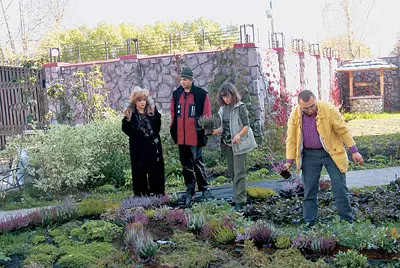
(147, 45)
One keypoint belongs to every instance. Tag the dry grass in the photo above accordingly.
(369, 127)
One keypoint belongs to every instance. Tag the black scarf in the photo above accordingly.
(144, 123)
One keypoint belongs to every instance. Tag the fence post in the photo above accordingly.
(106, 47)
(170, 44)
(204, 38)
(79, 54)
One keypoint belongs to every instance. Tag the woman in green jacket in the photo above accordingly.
(237, 139)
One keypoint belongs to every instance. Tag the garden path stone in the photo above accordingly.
(355, 179)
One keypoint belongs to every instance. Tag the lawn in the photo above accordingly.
(375, 125)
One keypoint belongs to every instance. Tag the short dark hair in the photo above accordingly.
(225, 89)
(305, 95)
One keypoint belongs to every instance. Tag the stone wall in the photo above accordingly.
(160, 74)
(366, 104)
(368, 84)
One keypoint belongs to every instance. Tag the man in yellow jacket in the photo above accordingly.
(316, 137)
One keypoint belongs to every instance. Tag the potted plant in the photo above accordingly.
(278, 165)
(207, 123)
(292, 187)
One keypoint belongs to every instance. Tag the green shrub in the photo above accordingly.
(106, 188)
(43, 254)
(259, 175)
(224, 234)
(15, 243)
(40, 260)
(38, 239)
(114, 171)
(91, 207)
(76, 260)
(292, 258)
(219, 180)
(100, 230)
(252, 257)
(67, 157)
(195, 222)
(350, 259)
(283, 242)
(260, 192)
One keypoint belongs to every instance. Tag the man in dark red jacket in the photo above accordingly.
(188, 103)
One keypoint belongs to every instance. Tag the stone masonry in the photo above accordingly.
(366, 104)
(160, 75)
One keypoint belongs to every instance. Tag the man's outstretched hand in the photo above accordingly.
(357, 158)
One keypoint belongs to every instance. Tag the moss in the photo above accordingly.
(96, 231)
(84, 255)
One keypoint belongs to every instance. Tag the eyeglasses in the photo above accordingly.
(308, 108)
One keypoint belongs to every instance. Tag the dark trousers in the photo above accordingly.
(313, 160)
(191, 158)
(148, 180)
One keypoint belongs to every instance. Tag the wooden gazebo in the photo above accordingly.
(363, 66)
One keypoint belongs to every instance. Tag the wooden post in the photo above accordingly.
(382, 83)
(351, 83)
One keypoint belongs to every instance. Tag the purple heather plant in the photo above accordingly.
(159, 215)
(206, 231)
(176, 217)
(293, 186)
(144, 201)
(137, 214)
(38, 217)
(277, 165)
(300, 242)
(140, 241)
(245, 236)
(323, 245)
(262, 233)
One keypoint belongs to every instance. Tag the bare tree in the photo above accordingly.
(4, 11)
(349, 16)
(34, 20)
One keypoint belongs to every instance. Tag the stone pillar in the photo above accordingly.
(282, 67)
(302, 67)
(318, 58)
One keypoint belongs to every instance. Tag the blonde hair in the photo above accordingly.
(137, 94)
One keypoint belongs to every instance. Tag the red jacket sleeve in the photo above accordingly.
(207, 106)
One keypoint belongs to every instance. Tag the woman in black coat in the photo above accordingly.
(142, 123)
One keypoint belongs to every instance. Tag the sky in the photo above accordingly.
(296, 19)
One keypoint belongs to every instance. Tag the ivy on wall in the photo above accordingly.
(229, 70)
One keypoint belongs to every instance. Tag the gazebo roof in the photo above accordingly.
(366, 65)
